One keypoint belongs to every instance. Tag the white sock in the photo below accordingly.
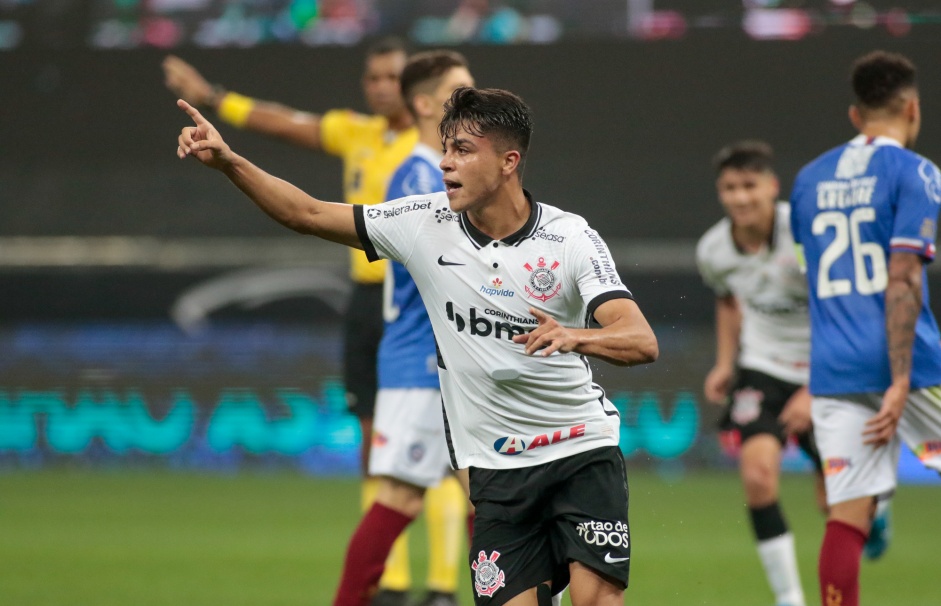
(780, 561)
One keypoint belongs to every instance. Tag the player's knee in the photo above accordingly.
(760, 481)
(407, 499)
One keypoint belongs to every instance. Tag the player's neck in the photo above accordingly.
(428, 134)
(504, 213)
(401, 121)
(892, 129)
(754, 238)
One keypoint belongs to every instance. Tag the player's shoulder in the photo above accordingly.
(353, 120)
(408, 205)
(716, 240)
(823, 162)
(908, 159)
(553, 218)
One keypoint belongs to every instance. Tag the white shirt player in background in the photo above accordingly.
(762, 346)
(865, 214)
(510, 285)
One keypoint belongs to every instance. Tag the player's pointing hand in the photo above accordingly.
(202, 141)
(549, 336)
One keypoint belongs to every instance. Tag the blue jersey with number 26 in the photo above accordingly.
(850, 209)
(407, 353)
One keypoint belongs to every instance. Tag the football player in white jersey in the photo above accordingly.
(510, 285)
(762, 346)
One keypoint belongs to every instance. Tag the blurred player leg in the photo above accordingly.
(880, 535)
(397, 504)
(397, 578)
(446, 513)
(760, 468)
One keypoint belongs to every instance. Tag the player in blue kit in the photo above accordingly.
(409, 450)
(865, 214)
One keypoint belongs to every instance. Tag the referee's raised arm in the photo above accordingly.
(280, 200)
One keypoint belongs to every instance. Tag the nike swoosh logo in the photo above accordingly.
(610, 560)
(441, 261)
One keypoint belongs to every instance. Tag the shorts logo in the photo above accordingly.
(602, 534)
(416, 452)
(543, 280)
(487, 575)
(373, 213)
(746, 405)
(928, 450)
(833, 466)
(514, 445)
(379, 440)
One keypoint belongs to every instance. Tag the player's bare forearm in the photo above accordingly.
(728, 329)
(623, 343)
(902, 308)
(290, 125)
(625, 338)
(291, 207)
(282, 201)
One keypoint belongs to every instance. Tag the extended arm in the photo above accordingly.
(282, 201)
(291, 125)
(728, 330)
(624, 339)
(902, 307)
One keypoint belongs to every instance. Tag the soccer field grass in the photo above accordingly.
(146, 538)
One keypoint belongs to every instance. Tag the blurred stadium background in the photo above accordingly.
(172, 424)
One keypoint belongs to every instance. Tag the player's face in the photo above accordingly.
(748, 196)
(473, 170)
(381, 83)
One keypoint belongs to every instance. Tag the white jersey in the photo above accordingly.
(504, 409)
(772, 294)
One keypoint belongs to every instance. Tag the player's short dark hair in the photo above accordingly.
(423, 72)
(879, 78)
(750, 154)
(386, 45)
(490, 112)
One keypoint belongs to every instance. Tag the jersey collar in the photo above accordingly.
(480, 239)
(877, 141)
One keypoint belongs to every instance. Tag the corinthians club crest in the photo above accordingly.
(487, 575)
(543, 280)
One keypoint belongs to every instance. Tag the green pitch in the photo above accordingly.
(148, 538)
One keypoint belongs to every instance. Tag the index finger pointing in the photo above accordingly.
(192, 111)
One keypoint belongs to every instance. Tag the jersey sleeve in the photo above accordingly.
(389, 230)
(916, 213)
(338, 128)
(710, 277)
(594, 271)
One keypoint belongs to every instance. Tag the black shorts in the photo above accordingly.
(531, 522)
(755, 403)
(362, 331)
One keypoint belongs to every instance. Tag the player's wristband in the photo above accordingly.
(235, 108)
